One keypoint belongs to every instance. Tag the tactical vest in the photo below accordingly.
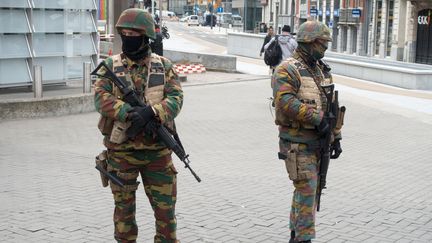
(153, 91)
(309, 93)
(153, 88)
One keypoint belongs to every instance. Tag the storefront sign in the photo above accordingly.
(424, 20)
(313, 12)
(356, 13)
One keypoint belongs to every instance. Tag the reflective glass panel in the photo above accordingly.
(74, 66)
(14, 4)
(65, 4)
(49, 44)
(52, 68)
(13, 46)
(13, 21)
(20, 74)
(58, 21)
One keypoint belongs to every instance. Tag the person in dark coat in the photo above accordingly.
(157, 45)
(268, 37)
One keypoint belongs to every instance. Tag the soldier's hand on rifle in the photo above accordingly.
(323, 127)
(139, 117)
(335, 149)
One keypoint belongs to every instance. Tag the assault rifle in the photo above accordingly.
(334, 115)
(130, 97)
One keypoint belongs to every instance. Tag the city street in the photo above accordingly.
(378, 191)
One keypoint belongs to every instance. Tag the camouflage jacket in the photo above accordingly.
(286, 83)
(108, 105)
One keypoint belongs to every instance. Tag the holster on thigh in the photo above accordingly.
(129, 179)
(297, 163)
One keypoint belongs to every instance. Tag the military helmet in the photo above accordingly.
(311, 30)
(138, 20)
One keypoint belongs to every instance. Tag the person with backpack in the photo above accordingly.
(267, 39)
(285, 42)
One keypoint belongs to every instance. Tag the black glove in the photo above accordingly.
(139, 117)
(335, 149)
(146, 113)
(323, 127)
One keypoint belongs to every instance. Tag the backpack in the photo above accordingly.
(273, 54)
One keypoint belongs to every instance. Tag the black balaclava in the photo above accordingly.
(135, 47)
(313, 51)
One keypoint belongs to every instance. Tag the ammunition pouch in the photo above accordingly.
(297, 163)
(129, 179)
(105, 125)
(101, 160)
(118, 133)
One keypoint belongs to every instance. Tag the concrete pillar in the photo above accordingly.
(372, 31)
(349, 41)
(410, 33)
(360, 48)
(111, 20)
(119, 6)
(398, 38)
(324, 7)
(383, 34)
(341, 38)
(332, 34)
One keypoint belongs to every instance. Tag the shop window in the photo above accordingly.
(14, 46)
(13, 21)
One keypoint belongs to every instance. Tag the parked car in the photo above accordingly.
(237, 20)
(193, 20)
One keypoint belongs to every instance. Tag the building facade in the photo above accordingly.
(57, 35)
(395, 29)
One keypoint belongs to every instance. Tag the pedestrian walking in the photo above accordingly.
(267, 38)
(301, 113)
(286, 42)
(156, 45)
(154, 81)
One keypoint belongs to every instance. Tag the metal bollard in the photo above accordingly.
(37, 81)
(86, 77)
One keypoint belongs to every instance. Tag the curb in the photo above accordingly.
(46, 107)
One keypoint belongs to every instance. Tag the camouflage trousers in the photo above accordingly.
(159, 178)
(303, 206)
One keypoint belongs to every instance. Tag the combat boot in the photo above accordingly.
(292, 237)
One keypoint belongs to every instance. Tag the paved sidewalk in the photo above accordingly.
(378, 191)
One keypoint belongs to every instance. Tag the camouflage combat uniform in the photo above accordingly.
(145, 154)
(299, 105)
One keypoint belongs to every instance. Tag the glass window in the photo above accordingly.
(50, 21)
(82, 45)
(64, 4)
(49, 44)
(58, 21)
(13, 21)
(20, 74)
(80, 21)
(52, 68)
(13, 46)
(74, 66)
(14, 4)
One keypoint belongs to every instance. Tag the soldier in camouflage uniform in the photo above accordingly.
(143, 154)
(300, 105)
